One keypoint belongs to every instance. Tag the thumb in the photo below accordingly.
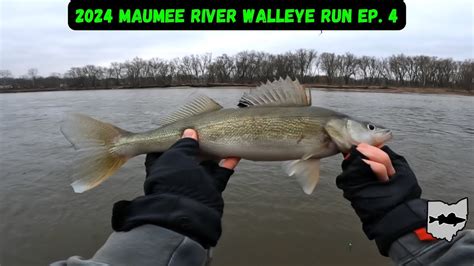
(230, 162)
(188, 145)
(190, 133)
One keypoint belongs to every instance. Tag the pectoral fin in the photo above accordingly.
(305, 171)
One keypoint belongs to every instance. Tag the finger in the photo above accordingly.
(190, 133)
(230, 163)
(379, 170)
(180, 151)
(377, 155)
(220, 175)
(346, 155)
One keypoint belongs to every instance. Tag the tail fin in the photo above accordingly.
(433, 219)
(93, 139)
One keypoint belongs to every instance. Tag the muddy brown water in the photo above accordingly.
(267, 220)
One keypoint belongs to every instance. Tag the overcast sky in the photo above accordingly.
(34, 33)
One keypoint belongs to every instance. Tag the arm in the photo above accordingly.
(178, 219)
(410, 249)
(145, 245)
(385, 194)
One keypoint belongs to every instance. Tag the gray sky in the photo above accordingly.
(34, 33)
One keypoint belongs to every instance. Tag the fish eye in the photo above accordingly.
(370, 127)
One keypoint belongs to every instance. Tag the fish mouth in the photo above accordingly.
(385, 135)
(388, 133)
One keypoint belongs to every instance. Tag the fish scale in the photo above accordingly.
(282, 127)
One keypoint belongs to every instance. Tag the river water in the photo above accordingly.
(267, 219)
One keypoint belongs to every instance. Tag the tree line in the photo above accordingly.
(307, 65)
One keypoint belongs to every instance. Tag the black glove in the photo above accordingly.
(388, 210)
(181, 194)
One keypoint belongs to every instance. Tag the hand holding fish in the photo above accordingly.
(229, 163)
(382, 189)
(181, 193)
(378, 160)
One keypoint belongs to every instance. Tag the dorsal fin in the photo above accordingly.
(199, 105)
(282, 92)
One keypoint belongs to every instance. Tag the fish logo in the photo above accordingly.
(450, 219)
(446, 220)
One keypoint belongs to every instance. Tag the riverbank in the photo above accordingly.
(383, 89)
(182, 85)
(355, 88)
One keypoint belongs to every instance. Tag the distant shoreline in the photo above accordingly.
(325, 87)
(403, 90)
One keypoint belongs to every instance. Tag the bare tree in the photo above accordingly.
(160, 70)
(465, 74)
(444, 71)
(328, 64)
(173, 66)
(244, 65)
(347, 66)
(412, 70)
(204, 63)
(33, 74)
(367, 69)
(135, 70)
(185, 69)
(117, 71)
(76, 77)
(222, 69)
(285, 65)
(5, 76)
(266, 69)
(257, 62)
(399, 67)
(196, 66)
(384, 71)
(423, 67)
(304, 61)
(54, 80)
(93, 74)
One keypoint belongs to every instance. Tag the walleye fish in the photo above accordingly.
(275, 122)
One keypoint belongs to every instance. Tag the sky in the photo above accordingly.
(35, 34)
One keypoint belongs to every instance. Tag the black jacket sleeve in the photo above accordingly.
(409, 250)
(145, 245)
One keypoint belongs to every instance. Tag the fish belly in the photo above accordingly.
(276, 152)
